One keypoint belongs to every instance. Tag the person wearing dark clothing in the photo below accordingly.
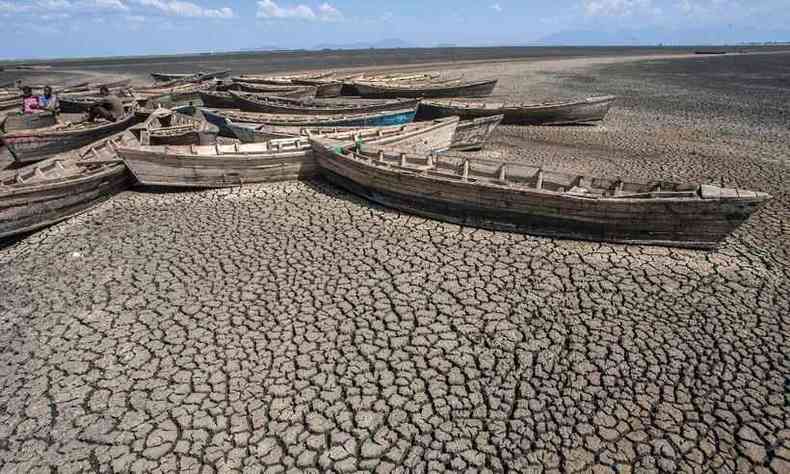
(109, 108)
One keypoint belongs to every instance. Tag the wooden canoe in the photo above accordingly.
(11, 103)
(167, 77)
(280, 80)
(283, 105)
(324, 88)
(276, 160)
(166, 127)
(35, 145)
(472, 135)
(117, 84)
(349, 82)
(222, 118)
(60, 187)
(429, 89)
(19, 121)
(81, 103)
(225, 118)
(589, 110)
(516, 197)
(193, 77)
(294, 91)
(218, 99)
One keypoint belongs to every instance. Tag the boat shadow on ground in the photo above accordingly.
(8, 242)
(323, 186)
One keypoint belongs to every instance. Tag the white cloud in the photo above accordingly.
(324, 12)
(329, 13)
(8, 7)
(187, 9)
(616, 7)
(54, 6)
(104, 4)
(496, 7)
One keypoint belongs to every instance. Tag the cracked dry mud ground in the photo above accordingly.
(294, 327)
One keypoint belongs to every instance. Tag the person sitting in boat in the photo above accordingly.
(29, 101)
(109, 108)
(49, 101)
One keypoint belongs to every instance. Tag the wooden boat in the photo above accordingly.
(324, 88)
(207, 76)
(167, 77)
(349, 82)
(282, 105)
(276, 160)
(19, 121)
(81, 103)
(516, 197)
(35, 145)
(472, 135)
(11, 104)
(241, 123)
(166, 127)
(592, 109)
(280, 80)
(469, 135)
(218, 99)
(454, 88)
(191, 98)
(293, 91)
(118, 84)
(62, 186)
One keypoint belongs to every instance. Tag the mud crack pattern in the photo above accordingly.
(294, 327)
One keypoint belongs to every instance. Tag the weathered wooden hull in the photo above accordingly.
(472, 135)
(378, 119)
(27, 147)
(11, 104)
(165, 77)
(219, 100)
(249, 133)
(156, 167)
(17, 122)
(470, 89)
(192, 137)
(296, 92)
(42, 209)
(323, 89)
(279, 105)
(281, 80)
(27, 208)
(681, 223)
(593, 109)
(83, 103)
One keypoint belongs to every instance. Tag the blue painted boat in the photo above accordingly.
(223, 117)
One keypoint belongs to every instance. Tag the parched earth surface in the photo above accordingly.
(295, 327)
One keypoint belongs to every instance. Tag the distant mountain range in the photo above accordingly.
(389, 43)
(652, 36)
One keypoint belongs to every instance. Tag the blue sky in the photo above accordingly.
(65, 28)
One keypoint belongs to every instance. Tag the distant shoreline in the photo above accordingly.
(498, 51)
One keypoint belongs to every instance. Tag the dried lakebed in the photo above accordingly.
(296, 327)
